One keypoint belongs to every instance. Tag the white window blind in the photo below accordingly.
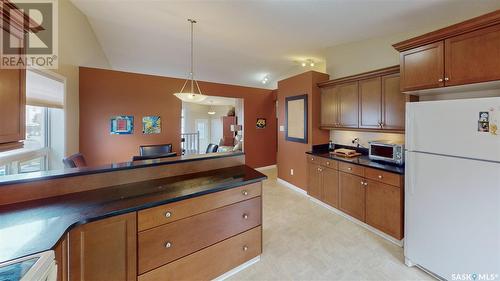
(43, 91)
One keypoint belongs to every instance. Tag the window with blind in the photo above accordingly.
(44, 144)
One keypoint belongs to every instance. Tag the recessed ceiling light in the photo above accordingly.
(311, 64)
(304, 64)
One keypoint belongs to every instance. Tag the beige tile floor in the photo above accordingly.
(305, 241)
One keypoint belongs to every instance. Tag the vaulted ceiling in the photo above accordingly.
(240, 42)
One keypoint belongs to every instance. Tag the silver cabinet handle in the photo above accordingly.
(312, 158)
(362, 183)
(168, 214)
(245, 248)
(244, 192)
(168, 244)
(380, 176)
(446, 79)
(365, 184)
(440, 80)
(245, 216)
(349, 168)
(328, 163)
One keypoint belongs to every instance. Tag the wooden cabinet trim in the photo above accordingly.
(450, 31)
(365, 75)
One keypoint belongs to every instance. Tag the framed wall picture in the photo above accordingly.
(261, 123)
(122, 125)
(296, 118)
(151, 125)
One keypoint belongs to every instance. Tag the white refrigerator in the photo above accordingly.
(452, 189)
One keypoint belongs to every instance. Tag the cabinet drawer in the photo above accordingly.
(166, 243)
(383, 177)
(352, 169)
(212, 261)
(315, 159)
(332, 164)
(160, 215)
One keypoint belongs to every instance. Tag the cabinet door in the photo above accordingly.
(104, 250)
(393, 103)
(348, 105)
(12, 105)
(423, 67)
(384, 208)
(473, 57)
(370, 103)
(314, 180)
(329, 107)
(352, 195)
(330, 184)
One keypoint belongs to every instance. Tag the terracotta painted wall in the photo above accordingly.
(104, 93)
(291, 155)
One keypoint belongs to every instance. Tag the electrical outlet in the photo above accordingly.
(291, 172)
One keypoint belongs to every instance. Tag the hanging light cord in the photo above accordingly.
(191, 73)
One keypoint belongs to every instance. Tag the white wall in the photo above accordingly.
(78, 46)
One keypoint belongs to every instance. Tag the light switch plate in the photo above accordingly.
(282, 128)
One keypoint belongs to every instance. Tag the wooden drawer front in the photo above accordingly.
(315, 159)
(332, 164)
(212, 261)
(175, 211)
(383, 177)
(194, 233)
(352, 169)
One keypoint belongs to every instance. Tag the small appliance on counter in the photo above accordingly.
(387, 151)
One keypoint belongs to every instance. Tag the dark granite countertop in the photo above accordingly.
(363, 160)
(71, 172)
(35, 226)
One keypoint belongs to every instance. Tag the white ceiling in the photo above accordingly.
(239, 42)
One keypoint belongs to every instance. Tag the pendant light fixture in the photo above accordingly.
(211, 110)
(192, 95)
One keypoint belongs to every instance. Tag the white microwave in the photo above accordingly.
(387, 151)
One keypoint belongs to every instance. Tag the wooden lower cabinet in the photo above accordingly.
(352, 195)
(210, 262)
(384, 208)
(330, 184)
(370, 195)
(194, 233)
(104, 250)
(314, 180)
(192, 246)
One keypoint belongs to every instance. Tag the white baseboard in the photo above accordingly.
(292, 187)
(238, 269)
(260, 169)
(358, 222)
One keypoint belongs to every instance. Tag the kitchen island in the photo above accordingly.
(146, 229)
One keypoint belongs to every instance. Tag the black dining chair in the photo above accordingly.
(155, 149)
(211, 148)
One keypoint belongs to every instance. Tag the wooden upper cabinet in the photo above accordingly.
(12, 107)
(473, 57)
(348, 105)
(463, 53)
(329, 107)
(104, 250)
(370, 105)
(423, 67)
(393, 103)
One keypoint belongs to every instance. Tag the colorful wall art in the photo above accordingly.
(151, 125)
(122, 125)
